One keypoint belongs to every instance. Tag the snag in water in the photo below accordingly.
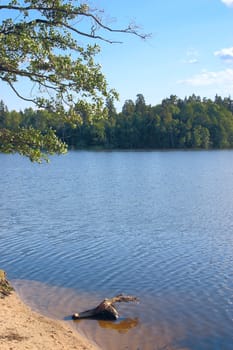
(106, 309)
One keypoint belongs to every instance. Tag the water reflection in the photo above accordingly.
(121, 325)
(125, 333)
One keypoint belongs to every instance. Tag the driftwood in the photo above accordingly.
(106, 309)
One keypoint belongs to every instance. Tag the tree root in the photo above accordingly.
(106, 309)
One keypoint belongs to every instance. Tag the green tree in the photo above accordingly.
(3, 113)
(151, 134)
(128, 108)
(201, 137)
(110, 124)
(140, 104)
(42, 46)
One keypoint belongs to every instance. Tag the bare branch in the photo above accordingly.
(128, 30)
(18, 94)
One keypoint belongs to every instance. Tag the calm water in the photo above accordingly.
(158, 225)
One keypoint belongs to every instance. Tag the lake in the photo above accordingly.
(157, 225)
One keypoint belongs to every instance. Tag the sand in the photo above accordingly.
(21, 328)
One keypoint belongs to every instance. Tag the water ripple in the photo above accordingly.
(157, 225)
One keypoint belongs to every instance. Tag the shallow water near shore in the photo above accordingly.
(135, 329)
(157, 225)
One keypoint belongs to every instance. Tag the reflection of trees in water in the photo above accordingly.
(122, 326)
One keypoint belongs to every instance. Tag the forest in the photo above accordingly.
(189, 123)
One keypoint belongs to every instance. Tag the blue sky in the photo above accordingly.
(190, 50)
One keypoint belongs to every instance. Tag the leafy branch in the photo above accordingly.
(41, 48)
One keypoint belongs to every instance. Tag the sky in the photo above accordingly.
(190, 50)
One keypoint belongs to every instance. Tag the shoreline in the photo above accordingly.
(21, 328)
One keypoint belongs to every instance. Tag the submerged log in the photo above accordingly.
(106, 309)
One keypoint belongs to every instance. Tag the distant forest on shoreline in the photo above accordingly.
(189, 123)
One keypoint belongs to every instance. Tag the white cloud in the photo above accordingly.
(192, 60)
(205, 78)
(228, 2)
(225, 54)
(191, 56)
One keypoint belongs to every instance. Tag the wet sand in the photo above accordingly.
(135, 329)
(21, 329)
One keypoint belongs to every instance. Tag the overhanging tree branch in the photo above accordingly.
(131, 29)
(42, 45)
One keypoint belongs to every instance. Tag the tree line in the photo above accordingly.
(175, 123)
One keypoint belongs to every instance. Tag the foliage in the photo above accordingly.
(30, 142)
(40, 48)
(191, 123)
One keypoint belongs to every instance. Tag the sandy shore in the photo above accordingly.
(21, 329)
